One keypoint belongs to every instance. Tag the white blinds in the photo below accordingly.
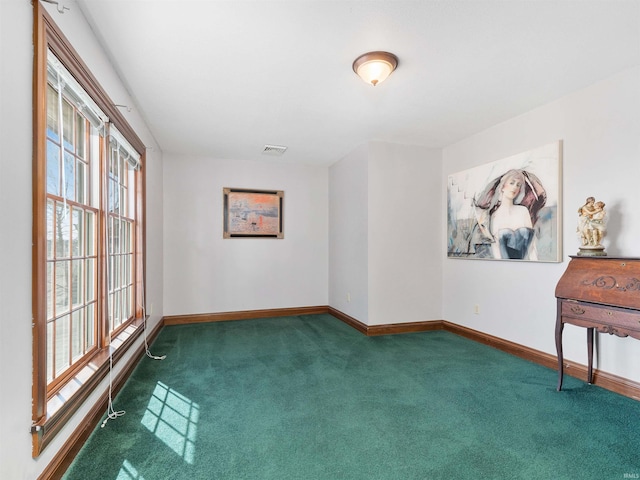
(60, 78)
(118, 142)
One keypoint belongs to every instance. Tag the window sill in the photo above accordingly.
(64, 404)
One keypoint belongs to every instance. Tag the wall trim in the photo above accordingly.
(608, 381)
(243, 315)
(386, 329)
(63, 458)
(526, 353)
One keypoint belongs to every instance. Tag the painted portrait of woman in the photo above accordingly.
(508, 209)
(508, 212)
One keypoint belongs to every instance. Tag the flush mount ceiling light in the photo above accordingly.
(375, 67)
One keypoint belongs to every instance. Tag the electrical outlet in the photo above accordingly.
(476, 309)
(348, 297)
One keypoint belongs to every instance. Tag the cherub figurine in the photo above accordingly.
(591, 223)
(596, 225)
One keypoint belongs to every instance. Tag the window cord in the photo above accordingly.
(63, 169)
(146, 344)
(132, 161)
(111, 412)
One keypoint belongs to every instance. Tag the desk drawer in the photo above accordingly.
(602, 314)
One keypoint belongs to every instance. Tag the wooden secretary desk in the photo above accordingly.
(598, 293)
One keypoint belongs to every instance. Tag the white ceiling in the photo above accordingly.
(221, 79)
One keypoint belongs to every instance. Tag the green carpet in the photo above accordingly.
(309, 397)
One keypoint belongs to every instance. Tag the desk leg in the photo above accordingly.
(590, 354)
(559, 327)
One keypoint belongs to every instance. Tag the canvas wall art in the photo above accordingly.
(253, 213)
(509, 209)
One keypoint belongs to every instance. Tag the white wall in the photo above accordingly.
(600, 129)
(15, 239)
(385, 262)
(405, 261)
(205, 273)
(16, 17)
(348, 235)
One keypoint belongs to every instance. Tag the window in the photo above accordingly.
(72, 213)
(123, 163)
(88, 229)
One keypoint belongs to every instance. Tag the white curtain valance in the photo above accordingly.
(60, 78)
(117, 141)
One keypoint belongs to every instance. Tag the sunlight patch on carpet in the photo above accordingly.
(173, 419)
(128, 472)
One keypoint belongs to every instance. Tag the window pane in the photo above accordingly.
(50, 350)
(69, 171)
(97, 180)
(114, 236)
(52, 113)
(81, 184)
(129, 237)
(62, 344)
(121, 277)
(113, 167)
(127, 178)
(67, 122)
(62, 230)
(77, 334)
(118, 309)
(117, 273)
(115, 316)
(50, 284)
(113, 201)
(77, 232)
(124, 228)
(90, 327)
(91, 281)
(91, 234)
(81, 138)
(111, 273)
(127, 269)
(118, 315)
(112, 311)
(62, 287)
(50, 229)
(110, 197)
(53, 168)
(129, 303)
(77, 287)
(123, 201)
(131, 211)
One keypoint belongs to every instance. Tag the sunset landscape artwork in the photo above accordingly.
(252, 213)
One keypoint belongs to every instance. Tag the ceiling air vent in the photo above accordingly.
(276, 150)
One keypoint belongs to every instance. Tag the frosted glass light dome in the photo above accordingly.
(375, 67)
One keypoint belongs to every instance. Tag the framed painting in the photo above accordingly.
(252, 213)
(509, 209)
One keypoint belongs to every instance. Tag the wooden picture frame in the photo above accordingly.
(252, 213)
